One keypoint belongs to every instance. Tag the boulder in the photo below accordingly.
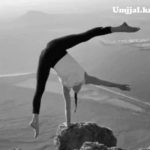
(74, 136)
(97, 146)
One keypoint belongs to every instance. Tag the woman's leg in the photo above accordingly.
(42, 76)
(69, 41)
(96, 81)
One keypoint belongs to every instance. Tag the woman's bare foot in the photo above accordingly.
(35, 125)
(125, 28)
(68, 125)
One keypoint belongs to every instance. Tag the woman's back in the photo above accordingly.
(69, 71)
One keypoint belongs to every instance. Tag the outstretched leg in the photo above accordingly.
(96, 81)
(69, 41)
(42, 76)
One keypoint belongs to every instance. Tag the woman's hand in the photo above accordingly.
(124, 87)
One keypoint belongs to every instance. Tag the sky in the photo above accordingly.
(14, 8)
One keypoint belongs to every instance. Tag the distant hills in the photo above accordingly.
(38, 18)
(73, 20)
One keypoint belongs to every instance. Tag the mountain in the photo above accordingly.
(40, 19)
(63, 20)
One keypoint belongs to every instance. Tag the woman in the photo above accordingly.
(71, 74)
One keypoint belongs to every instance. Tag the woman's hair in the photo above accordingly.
(76, 90)
(76, 100)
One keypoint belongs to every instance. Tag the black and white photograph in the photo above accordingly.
(74, 74)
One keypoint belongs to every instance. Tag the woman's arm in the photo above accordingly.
(66, 92)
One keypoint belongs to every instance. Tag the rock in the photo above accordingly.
(73, 137)
(96, 146)
(93, 146)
